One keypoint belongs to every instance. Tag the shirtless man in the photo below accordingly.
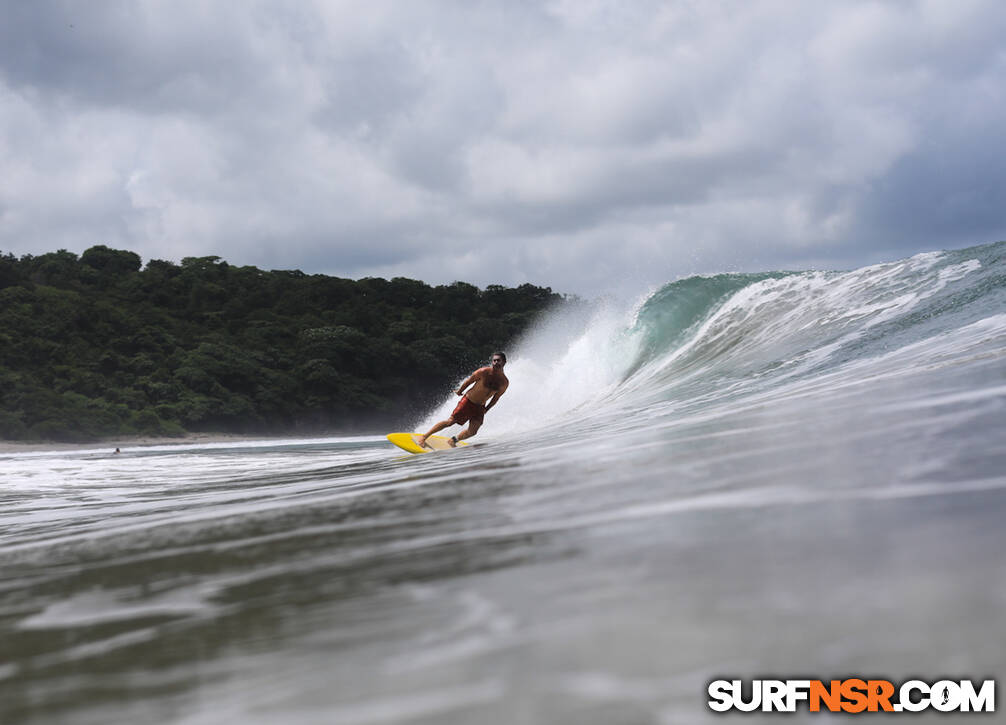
(490, 384)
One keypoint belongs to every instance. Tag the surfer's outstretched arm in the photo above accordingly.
(471, 379)
(494, 399)
(497, 395)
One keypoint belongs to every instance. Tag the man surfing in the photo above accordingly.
(489, 385)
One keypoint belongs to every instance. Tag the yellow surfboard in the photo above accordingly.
(407, 442)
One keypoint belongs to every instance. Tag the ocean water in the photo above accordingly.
(786, 474)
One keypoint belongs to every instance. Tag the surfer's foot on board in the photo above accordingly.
(452, 441)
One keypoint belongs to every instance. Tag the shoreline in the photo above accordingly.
(136, 442)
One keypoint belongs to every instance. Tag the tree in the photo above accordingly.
(99, 345)
(111, 262)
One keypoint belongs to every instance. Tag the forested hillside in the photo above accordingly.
(98, 345)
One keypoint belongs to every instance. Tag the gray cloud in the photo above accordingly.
(589, 146)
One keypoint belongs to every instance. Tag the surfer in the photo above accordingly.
(489, 384)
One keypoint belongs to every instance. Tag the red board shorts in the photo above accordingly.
(468, 411)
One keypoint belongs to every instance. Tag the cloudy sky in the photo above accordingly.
(586, 145)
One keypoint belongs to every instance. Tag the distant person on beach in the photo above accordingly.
(489, 385)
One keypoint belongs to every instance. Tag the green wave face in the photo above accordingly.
(748, 331)
(673, 310)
